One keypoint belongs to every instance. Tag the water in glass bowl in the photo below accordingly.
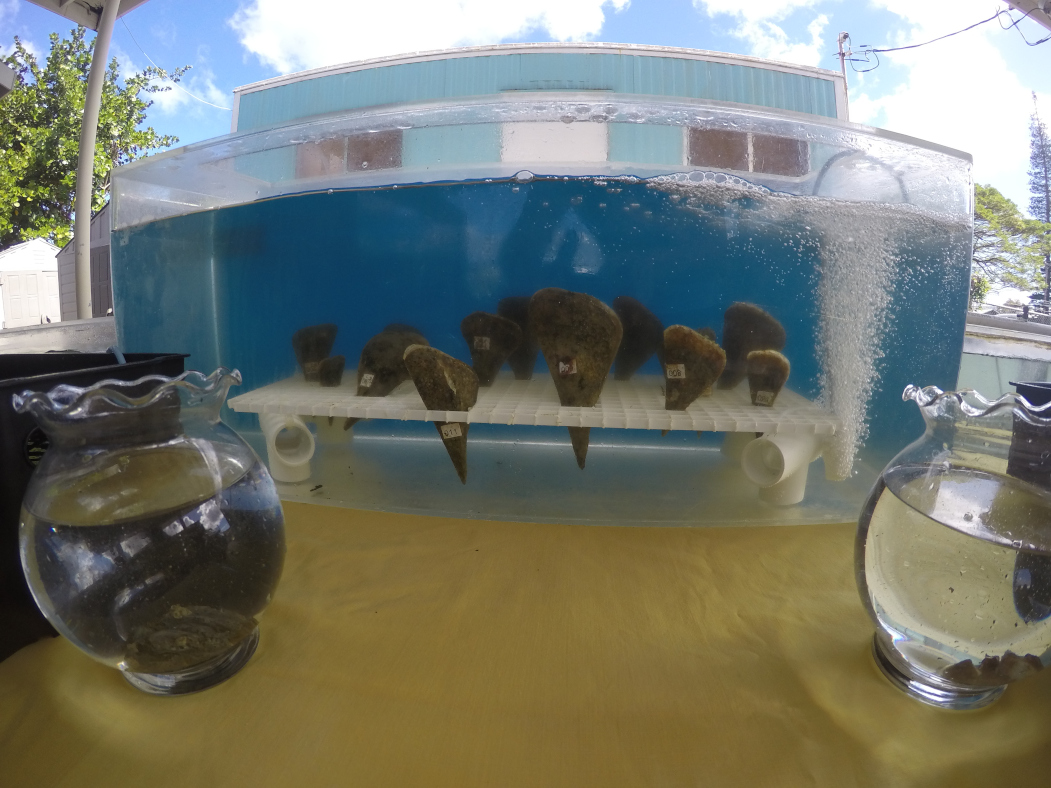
(955, 565)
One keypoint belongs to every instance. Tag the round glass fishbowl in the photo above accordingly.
(151, 535)
(953, 550)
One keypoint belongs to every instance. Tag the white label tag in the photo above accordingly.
(764, 398)
(481, 343)
(366, 380)
(451, 431)
(566, 368)
(675, 371)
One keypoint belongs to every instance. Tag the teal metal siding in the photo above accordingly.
(451, 145)
(461, 77)
(646, 144)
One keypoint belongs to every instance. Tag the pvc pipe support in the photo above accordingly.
(289, 454)
(779, 464)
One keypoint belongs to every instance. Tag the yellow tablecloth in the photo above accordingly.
(409, 651)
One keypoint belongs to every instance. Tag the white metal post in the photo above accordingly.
(86, 161)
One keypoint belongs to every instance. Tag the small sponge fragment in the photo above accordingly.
(767, 373)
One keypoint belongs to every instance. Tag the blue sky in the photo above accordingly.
(971, 91)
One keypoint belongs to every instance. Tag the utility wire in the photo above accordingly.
(1014, 24)
(867, 50)
(164, 73)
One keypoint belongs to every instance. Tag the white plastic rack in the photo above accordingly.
(631, 404)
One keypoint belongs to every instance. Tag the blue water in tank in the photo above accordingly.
(230, 286)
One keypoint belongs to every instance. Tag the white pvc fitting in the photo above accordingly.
(289, 446)
(779, 464)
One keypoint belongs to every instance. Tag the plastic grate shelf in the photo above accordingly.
(632, 404)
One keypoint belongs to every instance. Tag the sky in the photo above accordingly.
(971, 91)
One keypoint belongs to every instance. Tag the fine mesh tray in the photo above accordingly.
(631, 404)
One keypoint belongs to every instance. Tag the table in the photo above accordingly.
(413, 651)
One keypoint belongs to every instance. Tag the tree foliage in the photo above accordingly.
(1040, 192)
(1039, 167)
(1005, 243)
(40, 122)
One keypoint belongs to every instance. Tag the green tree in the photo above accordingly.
(40, 123)
(1040, 189)
(1003, 243)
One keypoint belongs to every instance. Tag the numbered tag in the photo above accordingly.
(481, 343)
(675, 371)
(764, 398)
(567, 367)
(451, 431)
(366, 380)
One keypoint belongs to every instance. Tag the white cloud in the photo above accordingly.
(317, 33)
(8, 17)
(958, 92)
(756, 26)
(199, 81)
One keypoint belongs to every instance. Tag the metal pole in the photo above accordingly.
(843, 38)
(86, 161)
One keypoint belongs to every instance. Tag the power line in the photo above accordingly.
(164, 73)
(867, 50)
(1014, 23)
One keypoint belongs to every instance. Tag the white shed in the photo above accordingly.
(29, 293)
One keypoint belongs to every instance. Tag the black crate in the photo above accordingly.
(21, 446)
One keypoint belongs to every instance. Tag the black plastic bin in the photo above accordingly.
(21, 446)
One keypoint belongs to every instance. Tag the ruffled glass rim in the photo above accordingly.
(66, 402)
(1010, 403)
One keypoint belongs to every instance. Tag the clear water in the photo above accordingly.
(955, 564)
(855, 284)
(163, 592)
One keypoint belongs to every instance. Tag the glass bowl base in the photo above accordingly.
(921, 688)
(199, 677)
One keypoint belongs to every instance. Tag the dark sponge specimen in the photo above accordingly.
(643, 336)
(692, 365)
(767, 374)
(382, 366)
(579, 337)
(523, 358)
(330, 371)
(746, 327)
(491, 339)
(445, 383)
(311, 345)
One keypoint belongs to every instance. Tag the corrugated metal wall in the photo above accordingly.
(458, 77)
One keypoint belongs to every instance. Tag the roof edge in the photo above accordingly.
(509, 49)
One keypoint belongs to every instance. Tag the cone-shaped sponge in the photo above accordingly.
(643, 336)
(445, 383)
(491, 339)
(692, 364)
(523, 359)
(579, 337)
(767, 373)
(746, 327)
(311, 345)
(381, 367)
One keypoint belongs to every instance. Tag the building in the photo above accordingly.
(29, 291)
(101, 288)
